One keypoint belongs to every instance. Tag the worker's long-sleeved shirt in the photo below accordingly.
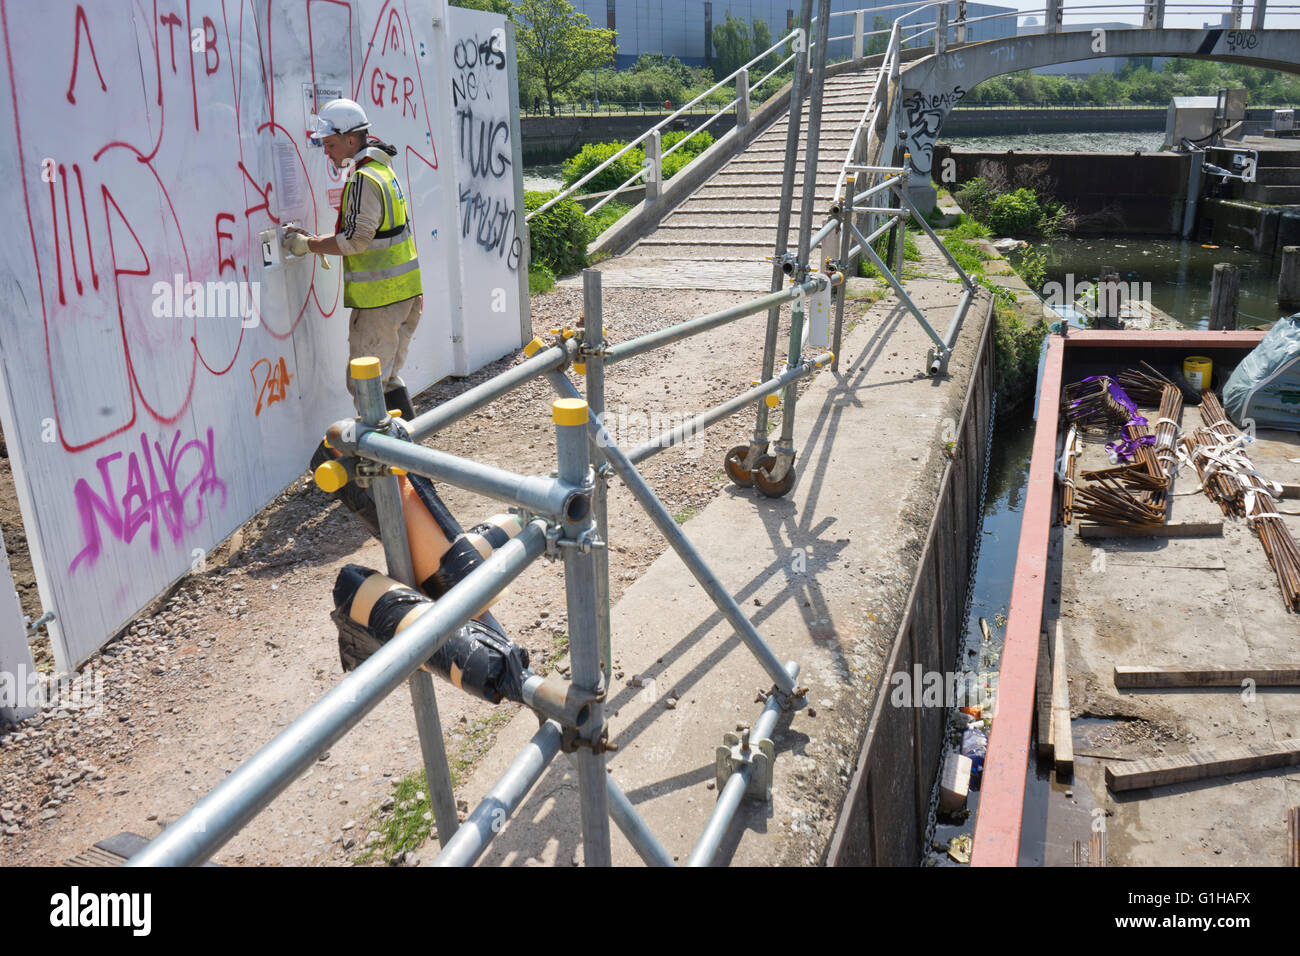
(361, 218)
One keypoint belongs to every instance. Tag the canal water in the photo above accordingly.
(1142, 141)
(1004, 505)
(1176, 274)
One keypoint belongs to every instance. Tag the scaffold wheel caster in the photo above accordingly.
(764, 483)
(734, 464)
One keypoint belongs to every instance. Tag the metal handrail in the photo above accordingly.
(570, 190)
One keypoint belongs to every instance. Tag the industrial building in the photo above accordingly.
(684, 28)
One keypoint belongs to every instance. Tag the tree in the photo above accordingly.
(558, 45)
(880, 42)
(763, 40)
(488, 6)
(731, 44)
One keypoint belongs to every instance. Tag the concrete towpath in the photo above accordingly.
(823, 574)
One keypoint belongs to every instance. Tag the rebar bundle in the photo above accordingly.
(1090, 404)
(1065, 473)
(1133, 475)
(1217, 453)
(1110, 502)
(1166, 432)
(1143, 384)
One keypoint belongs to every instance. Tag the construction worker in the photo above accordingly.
(381, 274)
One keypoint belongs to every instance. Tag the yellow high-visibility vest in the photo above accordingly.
(388, 271)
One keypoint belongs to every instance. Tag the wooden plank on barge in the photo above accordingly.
(1202, 764)
(1184, 529)
(1043, 698)
(1129, 677)
(1062, 734)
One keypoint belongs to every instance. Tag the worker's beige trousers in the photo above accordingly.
(385, 333)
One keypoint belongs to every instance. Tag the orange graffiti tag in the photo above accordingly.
(274, 383)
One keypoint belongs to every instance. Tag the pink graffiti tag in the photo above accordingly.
(158, 503)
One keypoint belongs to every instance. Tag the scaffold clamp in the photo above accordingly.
(737, 752)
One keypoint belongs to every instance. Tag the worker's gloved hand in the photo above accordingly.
(296, 244)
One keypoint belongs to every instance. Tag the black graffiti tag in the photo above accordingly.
(924, 117)
(469, 56)
(484, 144)
(1241, 40)
(492, 223)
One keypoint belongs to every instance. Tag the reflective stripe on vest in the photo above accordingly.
(388, 271)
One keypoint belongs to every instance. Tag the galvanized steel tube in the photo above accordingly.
(675, 333)
(503, 799)
(733, 791)
(221, 814)
(669, 528)
(702, 421)
(470, 401)
(397, 552)
(545, 496)
(571, 416)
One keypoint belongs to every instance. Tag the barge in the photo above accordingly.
(1177, 715)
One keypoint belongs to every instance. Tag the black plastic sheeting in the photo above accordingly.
(478, 658)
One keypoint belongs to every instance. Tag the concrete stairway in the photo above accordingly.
(720, 236)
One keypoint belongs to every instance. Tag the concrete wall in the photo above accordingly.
(1113, 192)
(885, 813)
(1262, 229)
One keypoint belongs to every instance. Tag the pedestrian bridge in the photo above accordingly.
(745, 199)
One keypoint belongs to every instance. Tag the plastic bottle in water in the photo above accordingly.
(974, 743)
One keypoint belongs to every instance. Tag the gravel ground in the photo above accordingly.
(214, 670)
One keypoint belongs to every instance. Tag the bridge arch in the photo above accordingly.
(932, 85)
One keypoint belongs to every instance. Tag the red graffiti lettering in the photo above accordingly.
(210, 47)
(408, 89)
(76, 53)
(228, 260)
(171, 21)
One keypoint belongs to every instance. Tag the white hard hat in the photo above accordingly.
(338, 116)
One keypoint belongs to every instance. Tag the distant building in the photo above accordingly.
(684, 28)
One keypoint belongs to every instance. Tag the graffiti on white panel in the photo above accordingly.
(479, 86)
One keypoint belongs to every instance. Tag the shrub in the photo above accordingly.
(603, 218)
(540, 279)
(613, 176)
(1016, 213)
(1018, 344)
(558, 237)
(697, 144)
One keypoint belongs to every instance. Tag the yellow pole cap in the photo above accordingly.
(533, 347)
(330, 476)
(773, 400)
(569, 411)
(580, 368)
(394, 413)
(397, 471)
(364, 368)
